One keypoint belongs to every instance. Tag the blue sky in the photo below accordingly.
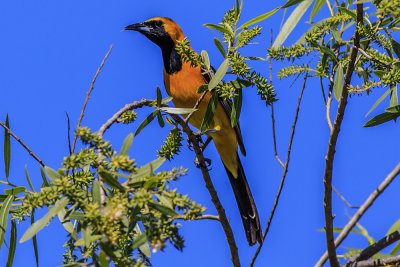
(50, 53)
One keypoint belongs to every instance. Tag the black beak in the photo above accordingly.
(139, 27)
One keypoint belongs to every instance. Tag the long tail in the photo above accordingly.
(247, 207)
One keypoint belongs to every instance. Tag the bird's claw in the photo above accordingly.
(205, 164)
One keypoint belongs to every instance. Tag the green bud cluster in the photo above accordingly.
(172, 145)
(127, 117)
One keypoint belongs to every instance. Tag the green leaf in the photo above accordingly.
(206, 59)
(163, 209)
(326, 51)
(4, 211)
(3, 197)
(395, 109)
(34, 240)
(110, 180)
(237, 106)
(209, 115)
(259, 18)
(394, 227)
(379, 101)
(336, 36)
(379, 73)
(146, 121)
(14, 191)
(220, 47)
(148, 168)
(364, 232)
(28, 179)
(291, 22)
(381, 118)
(159, 97)
(127, 144)
(239, 83)
(218, 28)
(13, 244)
(96, 192)
(393, 96)
(338, 86)
(396, 47)
(103, 259)
(216, 79)
(316, 8)
(202, 88)
(395, 250)
(68, 226)
(166, 100)
(348, 12)
(45, 220)
(160, 120)
(291, 3)
(178, 110)
(77, 215)
(139, 241)
(145, 248)
(42, 173)
(7, 148)
(52, 174)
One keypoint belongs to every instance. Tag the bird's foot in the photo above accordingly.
(205, 164)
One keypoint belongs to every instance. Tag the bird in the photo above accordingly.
(182, 80)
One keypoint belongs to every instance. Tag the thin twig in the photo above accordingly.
(285, 169)
(373, 59)
(202, 217)
(390, 261)
(344, 200)
(196, 106)
(334, 133)
(373, 249)
(329, 102)
(88, 95)
(23, 144)
(360, 212)
(69, 136)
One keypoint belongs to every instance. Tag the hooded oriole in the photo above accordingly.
(181, 81)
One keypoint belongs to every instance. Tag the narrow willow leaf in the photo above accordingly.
(220, 47)
(395, 109)
(110, 180)
(291, 22)
(379, 73)
(103, 259)
(326, 51)
(77, 215)
(3, 197)
(34, 240)
(166, 100)
(291, 3)
(394, 227)
(146, 121)
(43, 174)
(206, 59)
(65, 221)
(7, 148)
(394, 101)
(396, 47)
(338, 86)
(395, 250)
(4, 211)
(96, 192)
(139, 241)
(163, 209)
(29, 179)
(209, 115)
(14, 191)
(148, 168)
(178, 110)
(236, 108)
(381, 118)
(379, 101)
(127, 144)
(160, 120)
(259, 18)
(52, 174)
(202, 88)
(348, 12)
(337, 37)
(218, 28)
(239, 83)
(145, 248)
(159, 97)
(45, 220)
(237, 8)
(217, 78)
(12, 245)
(316, 8)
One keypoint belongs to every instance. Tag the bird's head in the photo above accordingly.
(162, 31)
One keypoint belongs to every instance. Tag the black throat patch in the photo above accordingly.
(172, 60)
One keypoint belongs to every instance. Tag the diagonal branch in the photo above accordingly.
(22, 144)
(390, 261)
(360, 212)
(285, 169)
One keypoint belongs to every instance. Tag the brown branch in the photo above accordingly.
(22, 144)
(329, 102)
(285, 169)
(373, 59)
(88, 95)
(196, 106)
(390, 261)
(202, 217)
(360, 212)
(344, 200)
(373, 249)
(334, 133)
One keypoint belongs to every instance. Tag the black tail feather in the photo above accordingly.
(247, 207)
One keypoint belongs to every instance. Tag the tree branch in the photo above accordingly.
(373, 249)
(202, 217)
(360, 212)
(332, 144)
(388, 67)
(391, 261)
(22, 144)
(285, 169)
(88, 95)
(344, 200)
